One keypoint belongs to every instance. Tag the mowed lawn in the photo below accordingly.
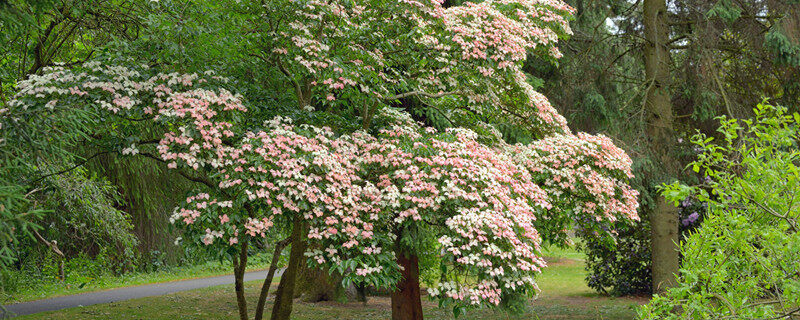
(564, 296)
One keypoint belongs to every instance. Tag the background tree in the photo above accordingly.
(604, 64)
(660, 131)
(751, 228)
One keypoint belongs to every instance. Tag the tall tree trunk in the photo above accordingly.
(239, 267)
(282, 308)
(262, 298)
(406, 301)
(658, 108)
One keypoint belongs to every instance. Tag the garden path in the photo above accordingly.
(120, 294)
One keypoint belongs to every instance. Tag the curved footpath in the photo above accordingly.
(120, 294)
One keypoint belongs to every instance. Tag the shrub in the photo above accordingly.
(742, 262)
(620, 265)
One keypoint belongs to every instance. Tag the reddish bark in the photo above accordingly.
(406, 301)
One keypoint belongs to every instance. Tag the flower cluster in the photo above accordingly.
(194, 111)
(505, 30)
(353, 189)
(584, 174)
(479, 199)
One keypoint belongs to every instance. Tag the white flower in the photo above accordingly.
(132, 150)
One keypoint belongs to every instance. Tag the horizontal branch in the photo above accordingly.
(183, 173)
(422, 94)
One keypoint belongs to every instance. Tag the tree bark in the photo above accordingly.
(316, 284)
(664, 224)
(282, 308)
(406, 301)
(361, 293)
(262, 298)
(239, 267)
(658, 108)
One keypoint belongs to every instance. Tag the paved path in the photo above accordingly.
(113, 295)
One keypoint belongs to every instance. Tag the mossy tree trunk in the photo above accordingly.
(284, 298)
(659, 111)
(315, 284)
(239, 267)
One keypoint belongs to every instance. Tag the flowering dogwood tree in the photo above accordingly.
(480, 206)
(361, 197)
(374, 200)
(361, 56)
(185, 120)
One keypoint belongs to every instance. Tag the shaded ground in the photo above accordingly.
(564, 296)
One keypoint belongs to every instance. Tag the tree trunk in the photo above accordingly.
(658, 108)
(406, 301)
(664, 224)
(282, 308)
(361, 293)
(316, 284)
(262, 298)
(239, 267)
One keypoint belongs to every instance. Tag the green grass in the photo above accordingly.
(564, 296)
(50, 289)
(555, 254)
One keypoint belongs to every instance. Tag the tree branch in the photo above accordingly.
(421, 94)
(183, 173)
(70, 168)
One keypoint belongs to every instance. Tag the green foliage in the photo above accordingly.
(741, 263)
(785, 51)
(620, 265)
(725, 10)
(83, 218)
(36, 34)
(15, 220)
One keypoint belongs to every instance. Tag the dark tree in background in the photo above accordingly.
(660, 136)
(721, 58)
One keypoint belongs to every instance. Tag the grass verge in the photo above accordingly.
(564, 296)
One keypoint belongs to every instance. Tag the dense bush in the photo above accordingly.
(620, 265)
(742, 262)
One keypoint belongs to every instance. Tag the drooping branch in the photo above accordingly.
(422, 94)
(70, 168)
(199, 179)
